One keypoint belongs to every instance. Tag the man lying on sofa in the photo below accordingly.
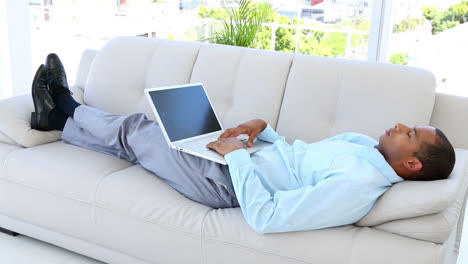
(280, 188)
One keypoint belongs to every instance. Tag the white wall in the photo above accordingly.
(5, 73)
(15, 51)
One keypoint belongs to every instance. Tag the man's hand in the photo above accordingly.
(226, 145)
(252, 128)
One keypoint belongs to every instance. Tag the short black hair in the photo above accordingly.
(438, 159)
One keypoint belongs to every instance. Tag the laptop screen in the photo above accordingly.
(185, 112)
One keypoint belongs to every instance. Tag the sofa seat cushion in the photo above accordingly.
(62, 169)
(91, 196)
(226, 233)
(139, 193)
(5, 150)
(140, 215)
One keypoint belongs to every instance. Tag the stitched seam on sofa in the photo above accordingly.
(415, 232)
(353, 245)
(10, 138)
(338, 98)
(131, 217)
(103, 208)
(99, 186)
(202, 233)
(5, 162)
(382, 220)
(194, 62)
(236, 75)
(256, 250)
(284, 90)
(414, 238)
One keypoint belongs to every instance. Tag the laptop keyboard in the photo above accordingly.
(201, 143)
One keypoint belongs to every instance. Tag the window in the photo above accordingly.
(357, 29)
(432, 35)
(67, 27)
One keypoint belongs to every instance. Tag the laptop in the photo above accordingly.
(188, 121)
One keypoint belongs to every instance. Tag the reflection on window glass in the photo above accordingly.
(433, 35)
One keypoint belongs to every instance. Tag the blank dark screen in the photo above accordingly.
(185, 112)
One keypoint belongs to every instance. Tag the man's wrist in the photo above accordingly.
(234, 149)
(237, 158)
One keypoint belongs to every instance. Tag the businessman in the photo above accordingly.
(280, 188)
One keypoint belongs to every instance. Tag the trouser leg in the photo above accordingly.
(139, 140)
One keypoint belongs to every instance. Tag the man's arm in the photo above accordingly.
(228, 142)
(253, 128)
(270, 135)
(333, 201)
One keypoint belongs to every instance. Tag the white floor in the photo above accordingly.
(25, 250)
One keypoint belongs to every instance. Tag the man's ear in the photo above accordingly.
(413, 164)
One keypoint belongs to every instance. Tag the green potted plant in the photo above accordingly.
(242, 23)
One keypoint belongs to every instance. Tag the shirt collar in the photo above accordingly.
(378, 160)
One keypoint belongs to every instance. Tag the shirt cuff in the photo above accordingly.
(268, 134)
(237, 158)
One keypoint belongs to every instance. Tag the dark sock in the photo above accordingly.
(57, 119)
(65, 102)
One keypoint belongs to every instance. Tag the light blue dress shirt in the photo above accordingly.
(332, 182)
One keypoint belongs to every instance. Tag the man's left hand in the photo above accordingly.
(226, 145)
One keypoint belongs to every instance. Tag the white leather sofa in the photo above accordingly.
(116, 212)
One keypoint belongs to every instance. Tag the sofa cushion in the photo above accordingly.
(409, 199)
(238, 79)
(117, 76)
(137, 63)
(161, 225)
(5, 150)
(226, 233)
(15, 127)
(54, 186)
(171, 64)
(325, 97)
(62, 169)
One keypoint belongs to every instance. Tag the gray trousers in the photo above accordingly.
(141, 141)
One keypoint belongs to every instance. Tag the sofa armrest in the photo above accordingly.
(408, 199)
(15, 122)
(86, 61)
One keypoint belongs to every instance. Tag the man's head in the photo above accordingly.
(418, 153)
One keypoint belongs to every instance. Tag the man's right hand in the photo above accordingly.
(252, 128)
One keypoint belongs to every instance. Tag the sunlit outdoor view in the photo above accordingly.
(426, 34)
(432, 34)
(327, 28)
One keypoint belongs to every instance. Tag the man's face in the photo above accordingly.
(401, 142)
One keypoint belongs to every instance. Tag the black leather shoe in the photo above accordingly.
(43, 102)
(56, 76)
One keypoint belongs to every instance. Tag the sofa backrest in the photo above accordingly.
(326, 96)
(242, 83)
(302, 96)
